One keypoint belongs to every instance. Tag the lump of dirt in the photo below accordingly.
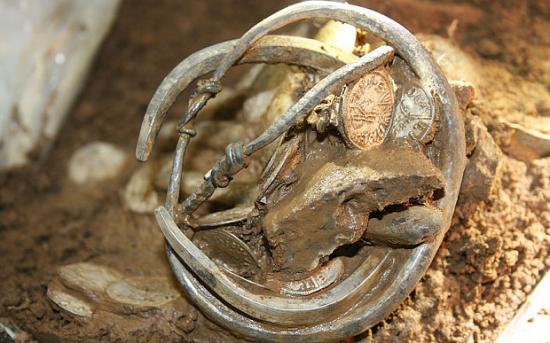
(483, 168)
(329, 207)
(526, 144)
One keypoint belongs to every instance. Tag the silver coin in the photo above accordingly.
(227, 250)
(415, 111)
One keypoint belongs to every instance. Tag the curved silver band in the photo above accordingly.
(270, 49)
(410, 264)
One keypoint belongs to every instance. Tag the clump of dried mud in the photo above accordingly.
(492, 257)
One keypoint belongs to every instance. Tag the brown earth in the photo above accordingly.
(492, 257)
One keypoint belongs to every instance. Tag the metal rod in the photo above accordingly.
(174, 185)
(270, 49)
(354, 15)
(295, 114)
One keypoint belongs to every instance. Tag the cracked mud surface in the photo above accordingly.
(493, 255)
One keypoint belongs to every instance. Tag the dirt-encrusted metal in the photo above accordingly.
(365, 176)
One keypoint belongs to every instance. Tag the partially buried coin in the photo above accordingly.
(415, 112)
(228, 250)
(414, 116)
(367, 109)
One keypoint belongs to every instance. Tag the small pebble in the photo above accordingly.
(139, 194)
(96, 161)
(488, 48)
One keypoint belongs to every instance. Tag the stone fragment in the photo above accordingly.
(83, 289)
(526, 144)
(472, 126)
(338, 34)
(488, 48)
(227, 101)
(411, 226)
(217, 134)
(141, 293)
(464, 92)
(139, 194)
(163, 170)
(483, 167)
(457, 65)
(95, 297)
(87, 278)
(168, 136)
(211, 135)
(96, 161)
(329, 206)
(74, 305)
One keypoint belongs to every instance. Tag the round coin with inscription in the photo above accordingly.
(367, 109)
(414, 115)
(227, 250)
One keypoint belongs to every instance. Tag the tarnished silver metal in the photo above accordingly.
(322, 278)
(230, 216)
(323, 306)
(224, 168)
(415, 112)
(270, 49)
(173, 191)
(274, 308)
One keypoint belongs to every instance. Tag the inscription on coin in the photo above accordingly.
(321, 278)
(367, 109)
(414, 115)
(227, 250)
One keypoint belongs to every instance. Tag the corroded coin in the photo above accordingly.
(320, 278)
(414, 115)
(227, 250)
(367, 109)
(323, 277)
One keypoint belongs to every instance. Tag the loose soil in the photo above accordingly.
(493, 255)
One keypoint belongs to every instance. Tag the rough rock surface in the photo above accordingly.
(482, 171)
(85, 288)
